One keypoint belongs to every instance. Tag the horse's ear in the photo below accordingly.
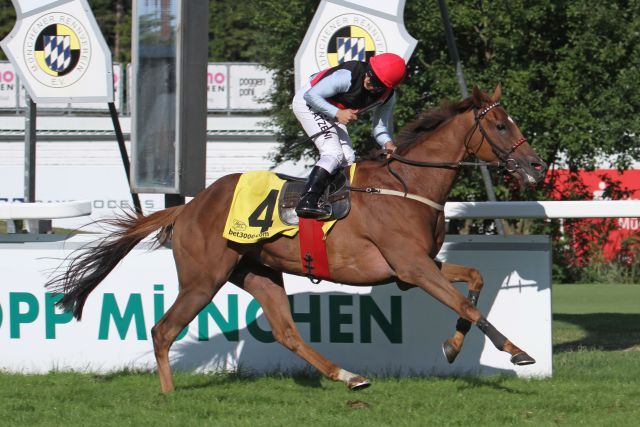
(477, 96)
(497, 93)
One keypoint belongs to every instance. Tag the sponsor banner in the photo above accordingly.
(217, 87)
(248, 85)
(59, 53)
(595, 183)
(379, 330)
(8, 86)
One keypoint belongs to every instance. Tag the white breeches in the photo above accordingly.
(336, 150)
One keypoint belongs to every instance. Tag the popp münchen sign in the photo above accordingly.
(59, 52)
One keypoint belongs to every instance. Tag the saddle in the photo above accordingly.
(336, 195)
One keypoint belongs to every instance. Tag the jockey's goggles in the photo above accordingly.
(378, 86)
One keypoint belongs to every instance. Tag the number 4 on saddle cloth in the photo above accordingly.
(263, 206)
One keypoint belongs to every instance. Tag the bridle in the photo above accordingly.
(506, 162)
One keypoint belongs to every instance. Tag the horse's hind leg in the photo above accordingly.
(197, 288)
(266, 286)
(184, 310)
(473, 278)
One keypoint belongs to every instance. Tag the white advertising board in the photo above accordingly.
(217, 86)
(8, 86)
(247, 86)
(379, 330)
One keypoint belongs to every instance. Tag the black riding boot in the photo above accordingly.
(308, 207)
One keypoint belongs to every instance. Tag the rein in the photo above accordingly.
(445, 165)
(455, 165)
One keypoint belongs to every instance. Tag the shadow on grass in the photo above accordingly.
(604, 331)
(201, 381)
(494, 383)
(123, 373)
(303, 378)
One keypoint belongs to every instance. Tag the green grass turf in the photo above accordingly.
(596, 316)
(581, 299)
(592, 385)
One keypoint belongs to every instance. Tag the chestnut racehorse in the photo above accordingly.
(384, 238)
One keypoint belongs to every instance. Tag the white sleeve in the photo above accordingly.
(382, 121)
(335, 83)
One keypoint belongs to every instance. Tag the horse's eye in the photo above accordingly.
(501, 126)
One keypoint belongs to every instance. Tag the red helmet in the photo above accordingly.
(389, 68)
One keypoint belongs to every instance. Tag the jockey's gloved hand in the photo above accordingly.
(389, 147)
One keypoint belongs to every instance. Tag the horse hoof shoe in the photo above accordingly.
(522, 359)
(449, 351)
(359, 385)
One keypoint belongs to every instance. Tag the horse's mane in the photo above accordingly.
(429, 121)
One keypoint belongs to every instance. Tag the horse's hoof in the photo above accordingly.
(449, 351)
(358, 383)
(522, 359)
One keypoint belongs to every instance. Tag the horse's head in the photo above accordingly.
(500, 139)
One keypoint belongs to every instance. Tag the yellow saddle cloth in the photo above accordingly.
(254, 210)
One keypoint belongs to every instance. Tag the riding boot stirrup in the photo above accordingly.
(310, 205)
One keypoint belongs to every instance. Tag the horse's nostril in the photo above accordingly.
(539, 166)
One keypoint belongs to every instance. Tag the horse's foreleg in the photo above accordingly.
(267, 287)
(473, 278)
(426, 275)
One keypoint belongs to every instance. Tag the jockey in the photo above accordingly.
(334, 97)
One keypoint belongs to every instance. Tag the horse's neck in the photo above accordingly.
(444, 145)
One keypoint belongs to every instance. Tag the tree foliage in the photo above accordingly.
(7, 21)
(232, 31)
(114, 20)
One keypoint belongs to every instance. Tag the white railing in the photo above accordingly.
(44, 211)
(552, 209)
(480, 210)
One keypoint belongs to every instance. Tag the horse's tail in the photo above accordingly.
(94, 262)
